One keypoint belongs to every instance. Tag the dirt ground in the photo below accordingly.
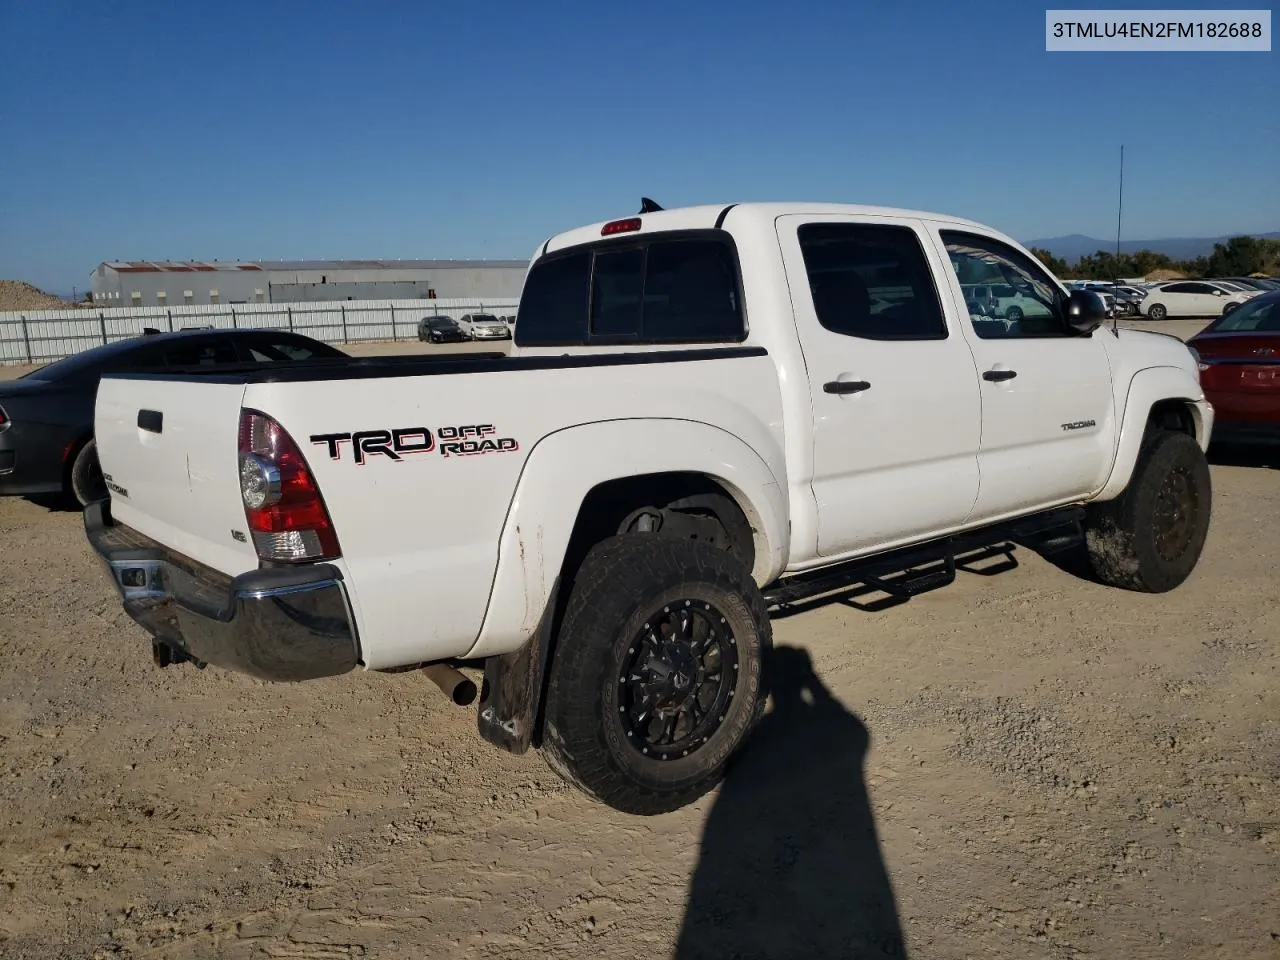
(1023, 764)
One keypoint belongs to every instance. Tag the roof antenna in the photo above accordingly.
(648, 206)
(1115, 313)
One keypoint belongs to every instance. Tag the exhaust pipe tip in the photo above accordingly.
(452, 683)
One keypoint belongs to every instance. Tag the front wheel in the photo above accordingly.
(1150, 538)
(656, 677)
(1157, 311)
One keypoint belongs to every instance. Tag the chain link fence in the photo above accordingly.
(32, 337)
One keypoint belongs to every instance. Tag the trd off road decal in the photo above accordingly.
(464, 441)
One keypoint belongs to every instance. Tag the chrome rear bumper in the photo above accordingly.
(289, 623)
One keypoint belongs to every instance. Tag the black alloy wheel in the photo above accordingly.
(677, 680)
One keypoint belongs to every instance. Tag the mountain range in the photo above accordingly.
(1076, 245)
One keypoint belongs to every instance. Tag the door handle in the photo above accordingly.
(151, 421)
(845, 386)
(997, 375)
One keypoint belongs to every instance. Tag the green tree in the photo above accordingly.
(1241, 256)
(1145, 261)
(1199, 267)
(1055, 265)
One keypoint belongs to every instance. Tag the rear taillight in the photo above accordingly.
(282, 503)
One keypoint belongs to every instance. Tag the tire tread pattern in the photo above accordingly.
(1117, 534)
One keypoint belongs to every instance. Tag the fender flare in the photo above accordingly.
(1148, 387)
(517, 633)
(565, 466)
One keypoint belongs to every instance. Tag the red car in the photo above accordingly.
(1239, 357)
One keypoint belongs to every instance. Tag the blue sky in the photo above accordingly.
(325, 129)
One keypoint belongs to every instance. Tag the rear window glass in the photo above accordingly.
(669, 290)
(553, 304)
(1255, 317)
(278, 351)
(617, 293)
(201, 355)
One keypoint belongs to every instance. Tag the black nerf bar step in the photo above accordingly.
(914, 570)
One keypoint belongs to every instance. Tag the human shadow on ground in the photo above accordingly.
(790, 862)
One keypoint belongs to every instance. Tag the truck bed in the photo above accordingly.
(421, 526)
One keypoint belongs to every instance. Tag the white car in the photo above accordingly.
(1236, 286)
(707, 412)
(1190, 298)
(1010, 303)
(484, 326)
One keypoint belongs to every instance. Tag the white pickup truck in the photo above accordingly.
(706, 412)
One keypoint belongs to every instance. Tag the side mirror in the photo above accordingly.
(1085, 311)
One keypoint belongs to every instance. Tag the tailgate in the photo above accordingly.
(170, 452)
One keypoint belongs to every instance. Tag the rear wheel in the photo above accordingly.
(1150, 538)
(1157, 311)
(1229, 308)
(87, 483)
(656, 678)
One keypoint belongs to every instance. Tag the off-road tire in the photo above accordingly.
(85, 481)
(1150, 538)
(624, 583)
(1157, 311)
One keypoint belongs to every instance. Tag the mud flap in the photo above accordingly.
(514, 683)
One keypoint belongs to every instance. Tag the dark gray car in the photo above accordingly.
(440, 329)
(46, 417)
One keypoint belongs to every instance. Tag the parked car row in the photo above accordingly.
(472, 326)
(46, 417)
(1194, 298)
(1179, 298)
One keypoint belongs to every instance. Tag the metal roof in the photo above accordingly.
(171, 266)
(203, 266)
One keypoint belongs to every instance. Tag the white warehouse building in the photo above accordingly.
(160, 283)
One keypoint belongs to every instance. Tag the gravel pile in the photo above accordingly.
(20, 295)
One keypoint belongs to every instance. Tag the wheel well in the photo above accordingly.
(603, 510)
(1172, 415)
(607, 505)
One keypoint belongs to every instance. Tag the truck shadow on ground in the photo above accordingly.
(790, 862)
(53, 502)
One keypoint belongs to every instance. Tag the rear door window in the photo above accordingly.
(672, 289)
(872, 281)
